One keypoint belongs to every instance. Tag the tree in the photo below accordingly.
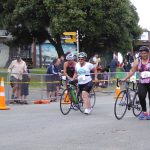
(102, 24)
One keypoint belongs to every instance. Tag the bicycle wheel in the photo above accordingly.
(120, 106)
(80, 104)
(137, 109)
(65, 103)
(92, 97)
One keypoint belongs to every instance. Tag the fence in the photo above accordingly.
(38, 84)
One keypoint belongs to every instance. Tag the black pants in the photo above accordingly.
(143, 89)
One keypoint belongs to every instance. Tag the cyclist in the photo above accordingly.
(82, 72)
(69, 66)
(143, 66)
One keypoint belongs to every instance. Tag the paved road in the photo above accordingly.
(43, 127)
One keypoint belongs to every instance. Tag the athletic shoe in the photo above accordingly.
(143, 116)
(87, 111)
(148, 117)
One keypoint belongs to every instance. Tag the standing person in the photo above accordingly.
(82, 71)
(16, 69)
(143, 66)
(126, 66)
(69, 67)
(113, 66)
(52, 79)
(25, 87)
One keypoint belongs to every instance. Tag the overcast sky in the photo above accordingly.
(143, 9)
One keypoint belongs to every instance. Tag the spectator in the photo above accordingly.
(126, 66)
(16, 70)
(62, 61)
(52, 78)
(25, 87)
(113, 65)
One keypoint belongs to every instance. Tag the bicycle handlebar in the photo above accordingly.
(128, 82)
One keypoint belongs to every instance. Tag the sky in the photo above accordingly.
(143, 12)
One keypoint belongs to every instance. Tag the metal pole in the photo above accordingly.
(77, 43)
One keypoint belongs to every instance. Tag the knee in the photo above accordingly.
(84, 95)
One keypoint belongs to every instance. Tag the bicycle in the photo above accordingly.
(127, 99)
(71, 99)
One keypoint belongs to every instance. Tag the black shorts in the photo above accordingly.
(86, 87)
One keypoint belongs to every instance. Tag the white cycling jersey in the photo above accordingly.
(84, 72)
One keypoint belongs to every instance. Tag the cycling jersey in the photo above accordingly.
(70, 69)
(84, 72)
(144, 71)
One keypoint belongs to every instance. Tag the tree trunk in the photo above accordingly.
(57, 44)
(40, 55)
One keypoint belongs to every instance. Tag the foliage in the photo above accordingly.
(102, 24)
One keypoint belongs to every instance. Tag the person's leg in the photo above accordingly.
(85, 97)
(142, 92)
(148, 89)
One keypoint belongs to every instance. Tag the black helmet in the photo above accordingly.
(143, 48)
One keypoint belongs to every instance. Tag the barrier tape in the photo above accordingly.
(60, 81)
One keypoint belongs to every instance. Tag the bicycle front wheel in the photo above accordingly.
(137, 109)
(65, 102)
(92, 97)
(121, 104)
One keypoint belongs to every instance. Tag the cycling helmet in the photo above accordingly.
(70, 56)
(144, 48)
(82, 54)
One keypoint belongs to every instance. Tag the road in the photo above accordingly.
(43, 127)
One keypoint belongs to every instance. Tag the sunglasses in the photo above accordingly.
(81, 58)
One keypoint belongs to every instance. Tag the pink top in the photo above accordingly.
(142, 68)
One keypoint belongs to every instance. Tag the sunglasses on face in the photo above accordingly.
(81, 58)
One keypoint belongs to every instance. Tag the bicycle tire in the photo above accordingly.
(92, 97)
(137, 109)
(80, 104)
(65, 103)
(121, 103)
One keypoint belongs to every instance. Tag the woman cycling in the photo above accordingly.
(69, 66)
(143, 66)
(82, 72)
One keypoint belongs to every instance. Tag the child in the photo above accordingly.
(25, 87)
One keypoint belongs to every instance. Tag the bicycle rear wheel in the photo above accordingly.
(65, 102)
(137, 109)
(92, 97)
(121, 104)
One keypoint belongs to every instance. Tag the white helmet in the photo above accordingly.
(82, 54)
(70, 56)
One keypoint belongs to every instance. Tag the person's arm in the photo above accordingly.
(65, 69)
(10, 67)
(53, 72)
(94, 69)
(132, 71)
(75, 74)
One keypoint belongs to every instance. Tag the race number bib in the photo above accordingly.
(81, 77)
(145, 74)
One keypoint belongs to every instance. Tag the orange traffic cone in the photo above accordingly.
(2, 96)
(66, 100)
(118, 91)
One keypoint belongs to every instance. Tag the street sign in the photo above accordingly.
(70, 37)
(69, 33)
(71, 40)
